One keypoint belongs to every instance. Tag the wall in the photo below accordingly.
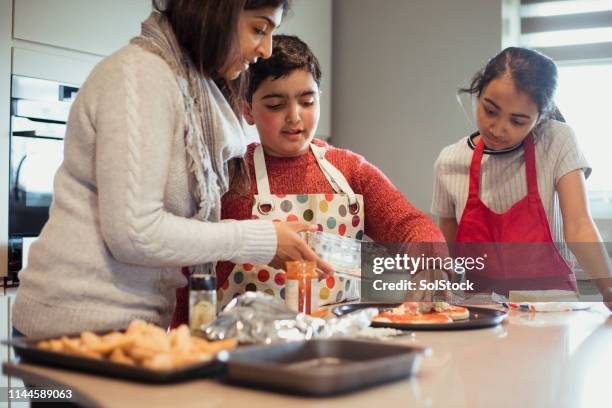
(6, 11)
(397, 65)
(311, 20)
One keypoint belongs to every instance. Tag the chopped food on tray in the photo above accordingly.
(142, 344)
(423, 313)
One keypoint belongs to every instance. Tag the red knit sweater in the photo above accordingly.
(389, 217)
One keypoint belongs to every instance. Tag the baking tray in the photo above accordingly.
(27, 352)
(320, 367)
(480, 317)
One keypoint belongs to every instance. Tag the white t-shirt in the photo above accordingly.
(503, 179)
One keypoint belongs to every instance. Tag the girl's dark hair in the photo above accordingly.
(289, 53)
(532, 73)
(207, 31)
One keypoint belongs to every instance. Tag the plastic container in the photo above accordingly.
(343, 253)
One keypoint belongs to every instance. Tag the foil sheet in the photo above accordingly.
(255, 317)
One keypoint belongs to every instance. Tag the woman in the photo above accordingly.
(150, 144)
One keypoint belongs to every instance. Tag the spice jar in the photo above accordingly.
(202, 301)
(301, 283)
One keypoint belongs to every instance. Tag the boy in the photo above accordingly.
(296, 177)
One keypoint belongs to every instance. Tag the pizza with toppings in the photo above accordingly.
(423, 313)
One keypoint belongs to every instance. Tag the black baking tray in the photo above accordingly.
(320, 367)
(27, 352)
(480, 318)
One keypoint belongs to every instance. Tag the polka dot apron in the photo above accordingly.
(340, 213)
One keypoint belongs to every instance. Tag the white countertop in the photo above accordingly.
(561, 359)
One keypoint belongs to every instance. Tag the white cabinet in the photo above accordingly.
(92, 26)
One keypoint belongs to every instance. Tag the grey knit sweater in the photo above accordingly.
(120, 227)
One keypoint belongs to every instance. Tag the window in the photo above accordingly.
(585, 99)
(577, 34)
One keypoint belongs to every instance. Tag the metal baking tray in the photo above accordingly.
(480, 317)
(27, 352)
(320, 367)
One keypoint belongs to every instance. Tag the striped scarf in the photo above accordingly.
(204, 138)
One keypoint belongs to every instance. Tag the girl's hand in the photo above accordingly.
(291, 247)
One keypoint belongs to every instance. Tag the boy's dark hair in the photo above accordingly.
(289, 53)
(532, 73)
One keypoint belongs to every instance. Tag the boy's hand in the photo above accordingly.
(291, 247)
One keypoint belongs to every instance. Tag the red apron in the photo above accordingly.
(520, 252)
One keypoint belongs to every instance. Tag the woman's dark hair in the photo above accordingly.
(532, 73)
(289, 53)
(207, 30)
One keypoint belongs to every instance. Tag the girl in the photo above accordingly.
(519, 178)
(150, 145)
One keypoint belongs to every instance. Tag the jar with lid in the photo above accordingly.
(301, 286)
(202, 301)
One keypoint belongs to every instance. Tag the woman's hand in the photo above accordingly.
(291, 247)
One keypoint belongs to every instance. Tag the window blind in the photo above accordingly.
(567, 29)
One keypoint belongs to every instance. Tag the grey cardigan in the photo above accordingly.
(120, 227)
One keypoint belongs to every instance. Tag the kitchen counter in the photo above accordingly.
(535, 360)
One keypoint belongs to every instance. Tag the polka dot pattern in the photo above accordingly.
(308, 215)
(238, 277)
(331, 213)
(263, 275)
(279, 279)
(331, 223)
(323, 293)
(323, 206)
(286, 206)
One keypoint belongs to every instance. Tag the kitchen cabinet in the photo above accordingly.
(91, 26)
(53, 64)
